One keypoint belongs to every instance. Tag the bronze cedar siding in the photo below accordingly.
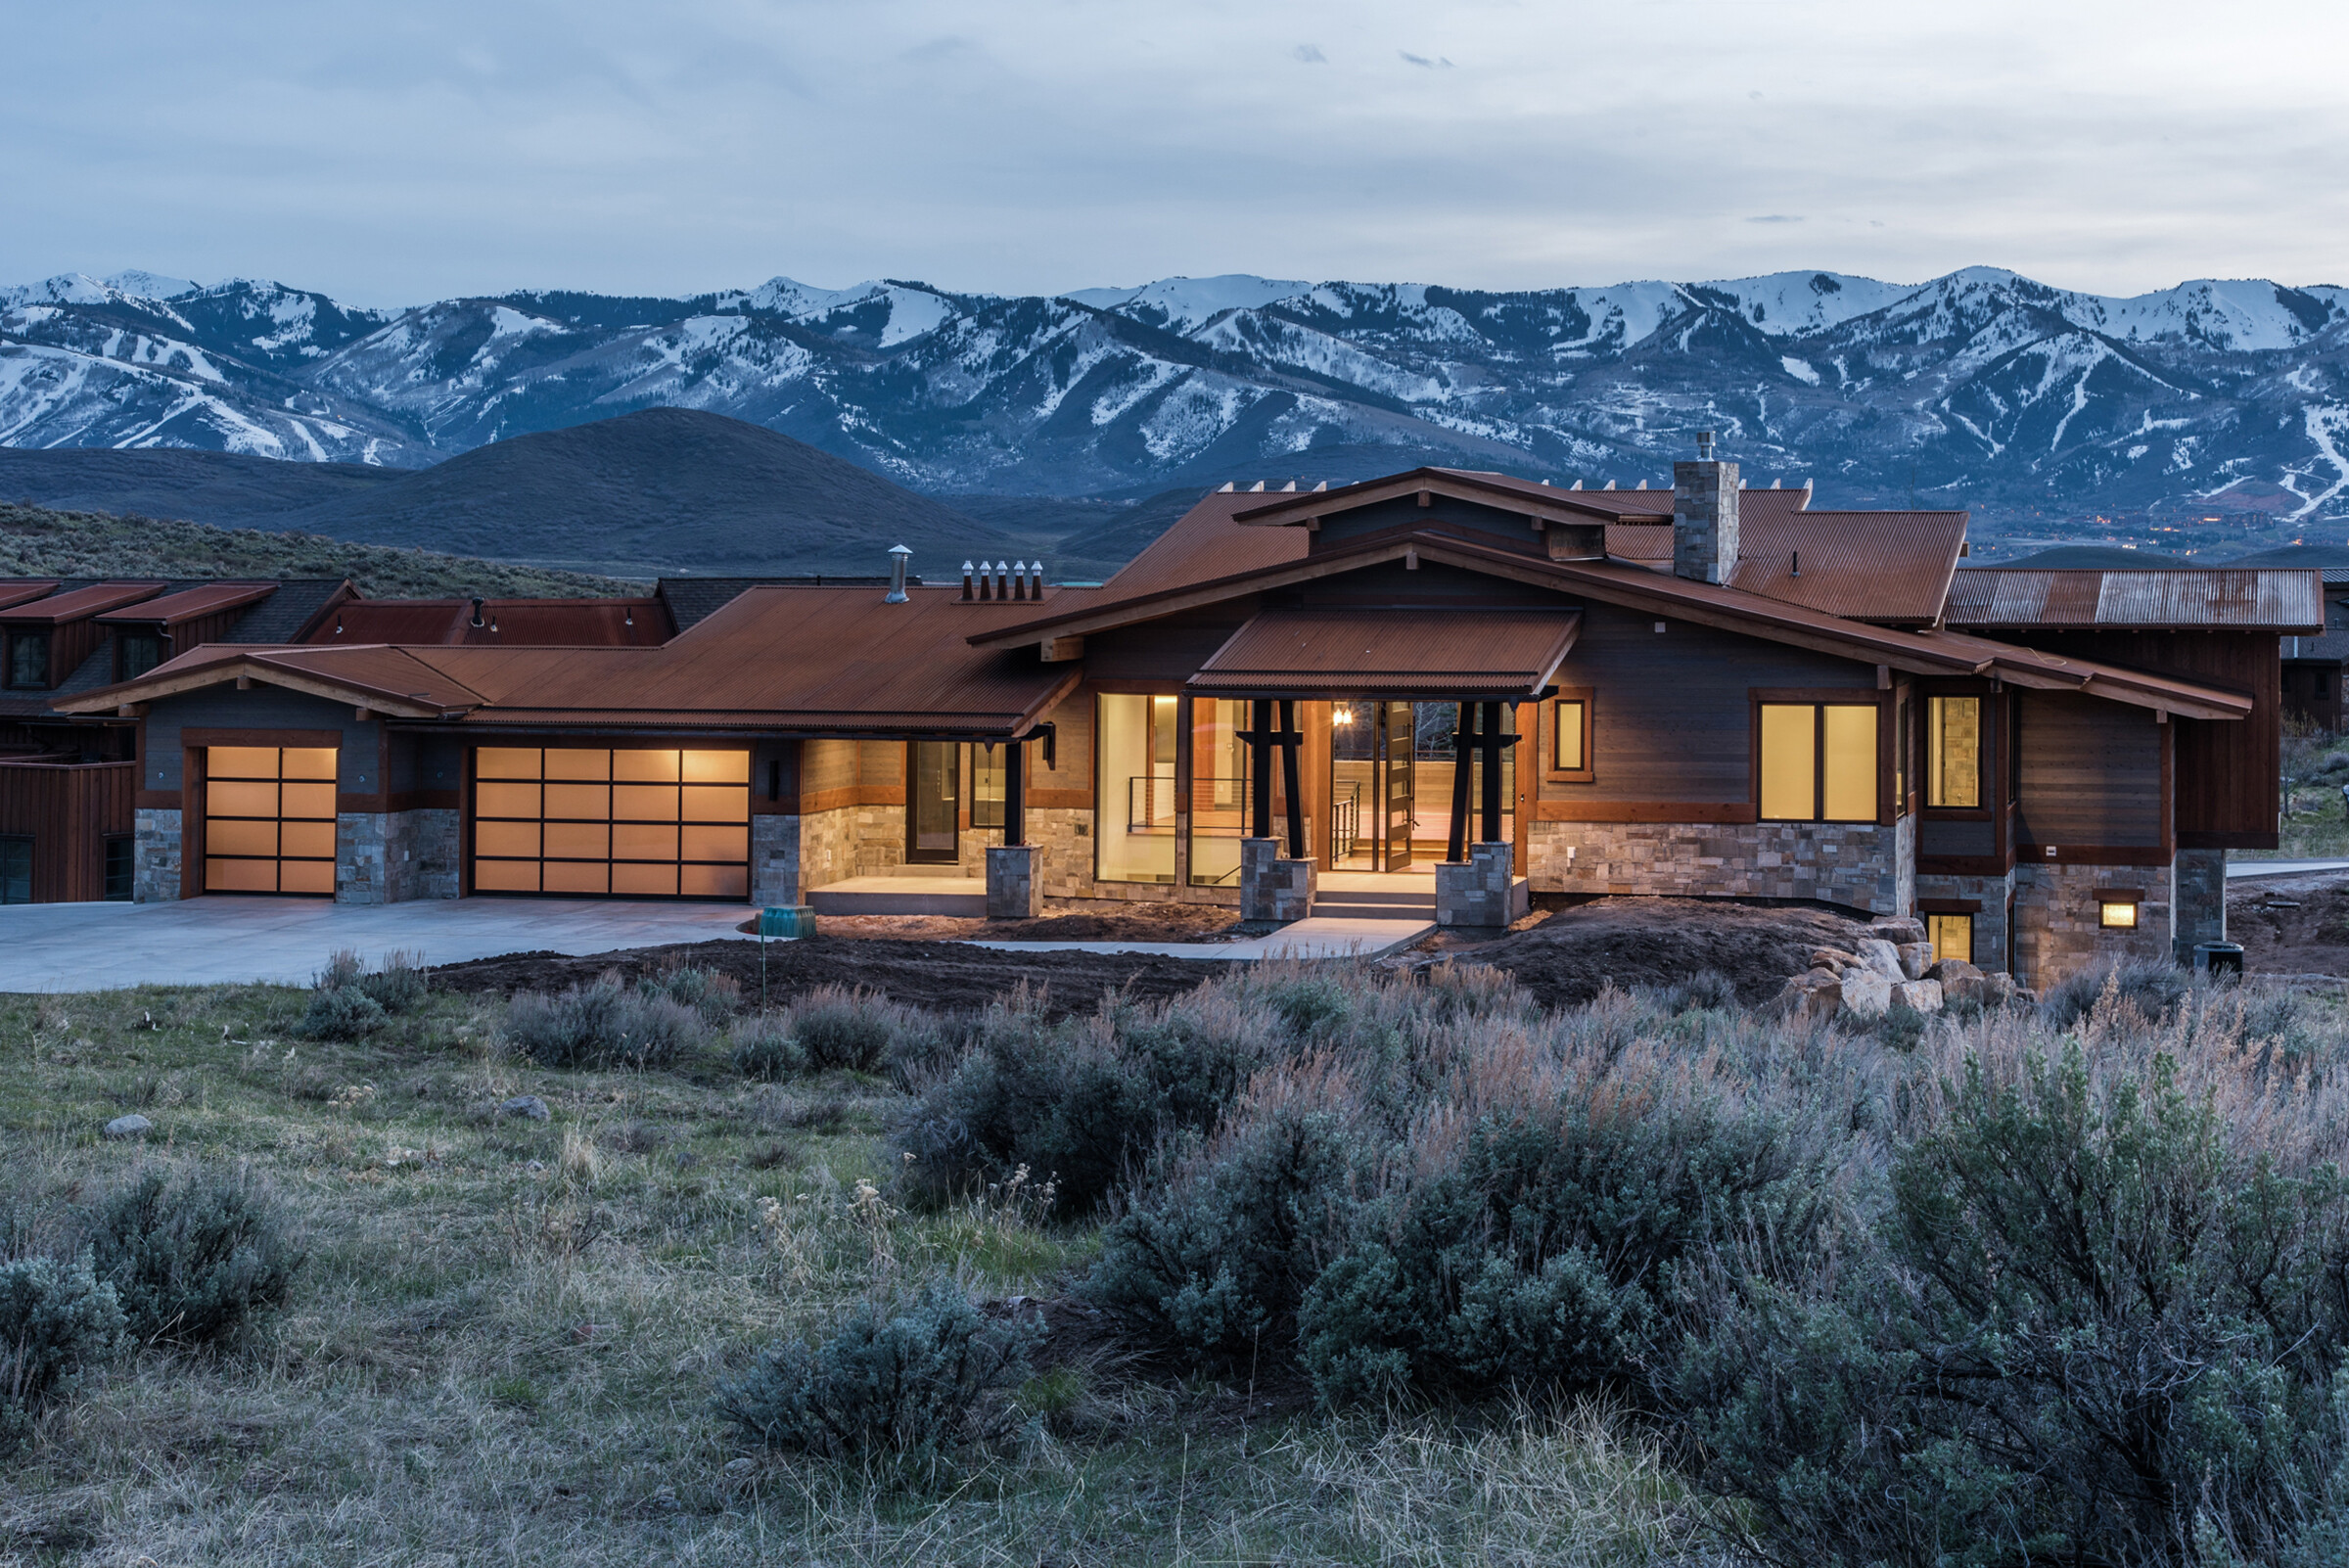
(1670, 717)
(69, 809)
(2090, 773)
(2225, 774)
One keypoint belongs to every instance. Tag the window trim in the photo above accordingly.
(1814, 698)
(1586, 773)
(1996, 751)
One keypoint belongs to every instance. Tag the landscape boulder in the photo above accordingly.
(1924, 996)
(1866, 993)
(128, 1127)
(1833, 959)
(1915, 958)
(1814, 995)
(524, 1105)
(1898, 929)
(1882, 957)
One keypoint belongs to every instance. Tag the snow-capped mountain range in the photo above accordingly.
(1981, 389)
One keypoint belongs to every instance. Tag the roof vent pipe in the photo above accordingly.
(899, 555)
(1704, 446)
(477, 611)
(967, 595)
(1019, 580)
(1002, 579)
(1036, 579)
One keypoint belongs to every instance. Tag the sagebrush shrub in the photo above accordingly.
(56, 1321)
(602, 1024)
(199, 1264)
(399, 984)
(2101, 1325)
(349, 1002)
(836, 1027)
(342, 1012)
(2154, 989)
(715, 997)
(909, 1382)
(765, 1049)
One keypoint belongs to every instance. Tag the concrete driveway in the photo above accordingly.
(198, 942)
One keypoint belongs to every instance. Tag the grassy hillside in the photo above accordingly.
(36, 542)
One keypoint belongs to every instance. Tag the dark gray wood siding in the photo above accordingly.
(2090, 773)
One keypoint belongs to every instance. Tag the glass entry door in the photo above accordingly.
(1396, 794)
(933, 802)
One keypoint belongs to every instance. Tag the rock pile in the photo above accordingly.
(1893, 965)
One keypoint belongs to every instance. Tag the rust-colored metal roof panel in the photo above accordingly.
(23, 591)
(1864, 566)
(505, 623)
(190, 604)
(1467, 655)
(78, 604)
(1207, 543)
(2183, 598)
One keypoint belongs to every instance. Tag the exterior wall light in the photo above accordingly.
(2116, 911)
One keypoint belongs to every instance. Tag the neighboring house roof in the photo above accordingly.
(77, 604)
(814, 661)
(184, 605)
(2204, 598)
(2326, 648)
(692, 600)
(1427, 655)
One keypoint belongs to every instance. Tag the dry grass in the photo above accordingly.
(503, 1345)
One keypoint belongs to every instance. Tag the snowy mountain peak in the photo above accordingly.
(1179, 304)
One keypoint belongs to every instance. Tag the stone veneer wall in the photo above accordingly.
(156, 870)
(1990, 921)
(362, 853)
(850, 841)
(2199, 897)
(2056, 933)
(1860, 865)
(775, 861)
(421, 854)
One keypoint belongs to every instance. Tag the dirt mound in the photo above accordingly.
(1660, 941)
(942, 975)
(2291, 925)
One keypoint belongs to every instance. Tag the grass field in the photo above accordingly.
(503, 1345)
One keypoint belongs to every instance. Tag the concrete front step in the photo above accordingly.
(1355, 906)
(899, 895)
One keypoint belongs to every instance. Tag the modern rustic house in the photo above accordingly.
(1441, 690)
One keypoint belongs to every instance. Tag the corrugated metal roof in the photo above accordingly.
(2200, 598)
(1425, 654)
(79, 603)
(505, 623)
(188, 604)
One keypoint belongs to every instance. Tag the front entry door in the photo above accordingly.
(1397, 796)
(933, 802)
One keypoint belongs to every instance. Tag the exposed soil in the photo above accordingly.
(2291, 925)
(1564, 960)
(939, 975)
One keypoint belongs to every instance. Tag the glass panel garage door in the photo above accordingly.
(631, 822)
(269, 819)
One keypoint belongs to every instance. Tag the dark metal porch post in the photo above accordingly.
(1015, 792)
(1290, 740)
(1489, 750)
(1463, 739)
(1259, 768)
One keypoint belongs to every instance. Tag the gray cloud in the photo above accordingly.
(399, 154)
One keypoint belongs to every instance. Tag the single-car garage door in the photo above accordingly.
(269, 819)
(631, 822)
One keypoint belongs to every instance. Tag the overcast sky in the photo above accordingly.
(390, 154)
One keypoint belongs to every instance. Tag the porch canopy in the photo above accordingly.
(1420, 655)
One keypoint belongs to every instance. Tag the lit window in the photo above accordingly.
(1133, 755)
(987, 786)
(2116, 914)
(1954, 751)
(1819, 763)
(1953, 937)
(1571, 747)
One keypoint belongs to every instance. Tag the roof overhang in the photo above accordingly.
(1423, 655)
(258, 669)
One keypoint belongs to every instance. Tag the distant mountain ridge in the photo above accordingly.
(1981, 389)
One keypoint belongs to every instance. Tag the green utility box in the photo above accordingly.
(790, 921)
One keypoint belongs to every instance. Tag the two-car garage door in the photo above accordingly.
(627, 821)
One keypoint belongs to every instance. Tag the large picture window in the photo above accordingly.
(1819, 763)
(1954, 751)
(1570, 738)
(1134, 796)
(987, 777)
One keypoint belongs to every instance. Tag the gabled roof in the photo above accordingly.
(1930, 652)
(1510, 494)
(189, 604)
(811, 661)
(77, 604)
(504, 622)
(2215, 598)
(1425, 654)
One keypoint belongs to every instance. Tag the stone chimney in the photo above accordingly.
(1704, 516)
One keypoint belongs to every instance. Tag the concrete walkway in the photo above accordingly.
(2280, 868)
(200, 942)
(1315, 937)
